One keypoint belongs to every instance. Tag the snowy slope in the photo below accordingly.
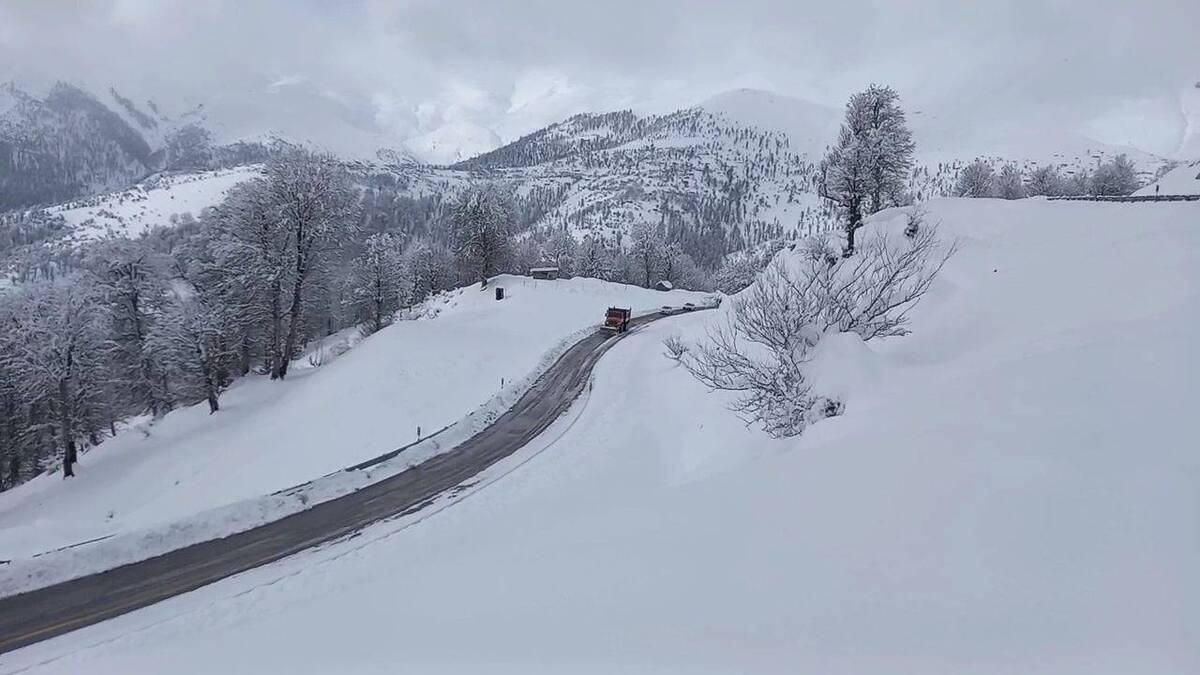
(1011, 489)
(725, 172)
(149, 204)
(1182, 180)
(810, 127)
(270, 435)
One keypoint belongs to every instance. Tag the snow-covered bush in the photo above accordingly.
(675, 346)
(760, 349)
(1010, 184)
(976, 180)
(1116, 177)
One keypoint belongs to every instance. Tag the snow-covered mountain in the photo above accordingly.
(64, 145)
(724, 174)
(730, 172)
(67, 143)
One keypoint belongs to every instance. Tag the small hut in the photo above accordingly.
(543, 272)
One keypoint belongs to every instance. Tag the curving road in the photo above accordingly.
(44, 613)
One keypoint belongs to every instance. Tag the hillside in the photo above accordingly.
(725, 174)
(1182, 180)
(1008, 490)
(334, 412)
(64, 145)
(156, 202)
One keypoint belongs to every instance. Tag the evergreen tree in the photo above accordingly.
(483, 223)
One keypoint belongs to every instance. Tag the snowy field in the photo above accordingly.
(150, 204)
(270, 435)
(1012, 489)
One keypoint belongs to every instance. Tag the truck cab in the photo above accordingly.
(616, 319)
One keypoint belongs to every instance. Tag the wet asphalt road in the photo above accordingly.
(47, 612)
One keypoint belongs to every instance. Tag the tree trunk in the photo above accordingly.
(852, 225)
(295, 320)
(66, 428)
(273, 347)
(210, 386)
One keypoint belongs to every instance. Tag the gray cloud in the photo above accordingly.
(406, 69)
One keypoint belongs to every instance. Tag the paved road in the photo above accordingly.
(45, 613)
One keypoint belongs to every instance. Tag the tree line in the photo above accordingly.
(1116, 177)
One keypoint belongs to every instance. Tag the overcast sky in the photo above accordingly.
(407, 68)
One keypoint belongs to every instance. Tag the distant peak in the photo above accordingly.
(809, 126)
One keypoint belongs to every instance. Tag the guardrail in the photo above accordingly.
(1128, 198)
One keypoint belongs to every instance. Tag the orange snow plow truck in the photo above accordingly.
(616, 319)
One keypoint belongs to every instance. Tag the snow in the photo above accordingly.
(1012, 488)
(269, 435)
(150, 204)
(1182, 180)
(810, 127)
(453, 142)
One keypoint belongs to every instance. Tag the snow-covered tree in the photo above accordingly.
(1010, 184)
(977, 179)
(1045, 180)
(737, 272)
(132, 282)
(595, 259)
(314, 201)
(866, 170)
(1077, 183)
(428, 267)
(54, 351)
(647, 251)
(193, 339)
(378, 282)
(761, 349)
(560, 249)
(483, 223)
(249, 268)
(1116, 177)
(189, 147)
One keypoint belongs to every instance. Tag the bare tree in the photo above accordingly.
(133, 284)
(647, 249)
(865, 171)
(313, 198)
(54, 350)
(676, 348)
(762, 346)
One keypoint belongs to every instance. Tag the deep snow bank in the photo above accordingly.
(272, 435)
(1182, 180)
(1012, 488)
